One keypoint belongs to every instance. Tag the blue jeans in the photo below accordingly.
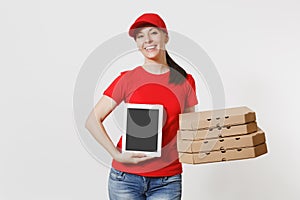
(125, 186)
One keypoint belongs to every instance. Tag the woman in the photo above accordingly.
(158, 81)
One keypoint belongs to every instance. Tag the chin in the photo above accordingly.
(152, 56)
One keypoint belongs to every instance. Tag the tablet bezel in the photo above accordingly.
(158, 107)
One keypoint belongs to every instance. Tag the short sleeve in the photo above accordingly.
(191, 97)
(117, 89)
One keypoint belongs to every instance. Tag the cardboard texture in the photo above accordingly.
(249, 140)
(226, 155)
(216, 118)
(225, 131)
(219, 135)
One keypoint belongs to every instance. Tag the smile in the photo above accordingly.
(150, 47)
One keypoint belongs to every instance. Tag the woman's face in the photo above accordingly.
(151, 42)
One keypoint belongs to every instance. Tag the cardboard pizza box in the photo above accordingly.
(216, 118)
(224, 155)
(225, 131)
(242, 141)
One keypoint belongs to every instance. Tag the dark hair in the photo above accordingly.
(177, 73)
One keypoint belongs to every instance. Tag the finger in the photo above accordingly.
(138, 155)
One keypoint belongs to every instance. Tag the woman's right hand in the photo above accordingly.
(131, 158)
(94, 124)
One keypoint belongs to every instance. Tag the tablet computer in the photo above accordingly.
(143, 129)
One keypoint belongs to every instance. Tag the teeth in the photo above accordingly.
(151, 47)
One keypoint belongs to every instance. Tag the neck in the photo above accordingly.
(157, 66)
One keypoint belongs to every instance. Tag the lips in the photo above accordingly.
(149, 48)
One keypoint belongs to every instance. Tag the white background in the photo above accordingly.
(255, 46)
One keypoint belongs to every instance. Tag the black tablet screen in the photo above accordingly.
(142, 129)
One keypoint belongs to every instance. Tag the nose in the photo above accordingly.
(148, 38)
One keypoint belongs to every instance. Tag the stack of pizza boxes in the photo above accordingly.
(219, 135)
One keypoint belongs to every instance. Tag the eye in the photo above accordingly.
(139, 36)
(154, 33)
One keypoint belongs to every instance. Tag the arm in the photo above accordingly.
(189, 109)
(94, 125)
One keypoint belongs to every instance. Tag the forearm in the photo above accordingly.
(98, 131)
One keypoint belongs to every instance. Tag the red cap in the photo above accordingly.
(148, 18)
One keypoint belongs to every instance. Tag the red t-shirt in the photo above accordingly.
(139, 86)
